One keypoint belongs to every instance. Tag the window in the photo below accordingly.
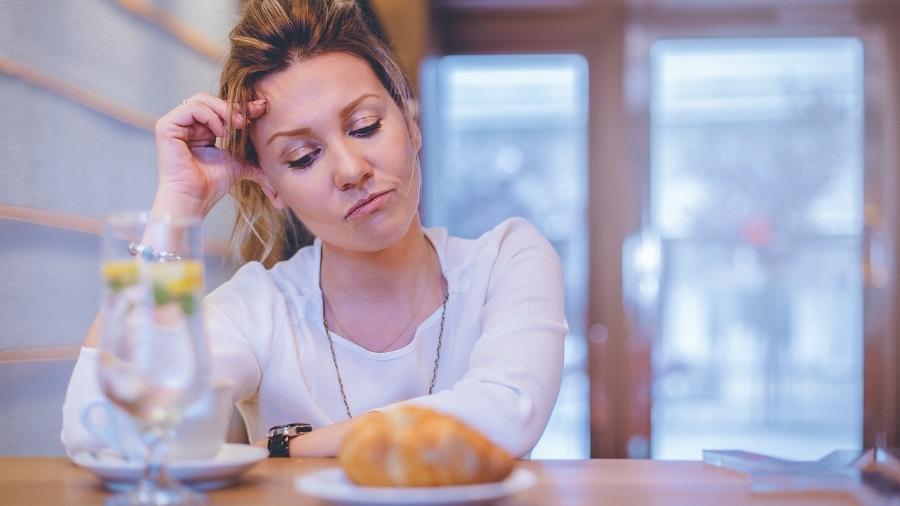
(756, 197)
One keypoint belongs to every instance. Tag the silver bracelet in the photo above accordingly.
(150, 254)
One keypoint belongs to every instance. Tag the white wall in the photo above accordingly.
(61, 156)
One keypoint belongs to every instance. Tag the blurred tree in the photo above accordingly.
(762, 175)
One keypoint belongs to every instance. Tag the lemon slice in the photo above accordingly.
(174, 278)
(120, 273)
(177, 278)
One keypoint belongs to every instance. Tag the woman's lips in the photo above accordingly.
(368, 206)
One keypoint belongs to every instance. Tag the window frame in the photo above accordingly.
(871, 23)
(615, 38)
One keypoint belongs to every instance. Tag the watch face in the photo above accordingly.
(290, 430)
(295, 429)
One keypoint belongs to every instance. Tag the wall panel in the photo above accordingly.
(60, 155)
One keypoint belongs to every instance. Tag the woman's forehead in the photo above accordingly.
(321, 77)
(315, 92)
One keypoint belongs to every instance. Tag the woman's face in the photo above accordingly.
(335, 148)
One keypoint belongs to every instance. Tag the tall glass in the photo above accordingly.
(154, 357)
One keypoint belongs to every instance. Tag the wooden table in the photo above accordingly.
(50, 481)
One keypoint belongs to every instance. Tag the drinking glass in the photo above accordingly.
(154, 358)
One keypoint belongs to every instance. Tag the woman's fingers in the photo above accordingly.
(202, 115)
(256, 108)
(220, 107)
(191, 123)
(202, 118)
(227, 112)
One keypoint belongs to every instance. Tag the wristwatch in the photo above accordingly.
(280, 437)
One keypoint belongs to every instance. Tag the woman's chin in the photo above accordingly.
(376, 234)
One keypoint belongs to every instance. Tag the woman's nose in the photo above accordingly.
(352, 169)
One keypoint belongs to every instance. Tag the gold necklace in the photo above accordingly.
(403, 332)
(337, 370)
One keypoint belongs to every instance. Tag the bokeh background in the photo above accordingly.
(719, 178)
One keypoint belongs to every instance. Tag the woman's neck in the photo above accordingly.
(380, 276)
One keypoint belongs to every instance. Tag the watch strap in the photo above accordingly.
(279, 446)
(279, 437)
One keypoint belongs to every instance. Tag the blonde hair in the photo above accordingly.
(269, 37)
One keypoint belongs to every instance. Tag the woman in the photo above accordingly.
(377, 311)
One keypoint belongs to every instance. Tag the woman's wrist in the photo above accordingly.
(178, 205)
(167, 204)
(324, 442)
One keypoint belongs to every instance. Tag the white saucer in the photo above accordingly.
(332, 485)
(223, 469)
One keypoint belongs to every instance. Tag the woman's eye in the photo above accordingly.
(305, 161)
(366, 131)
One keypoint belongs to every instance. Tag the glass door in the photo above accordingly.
(756, 221)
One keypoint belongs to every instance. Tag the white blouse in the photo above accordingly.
(500, 364)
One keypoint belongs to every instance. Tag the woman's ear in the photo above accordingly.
(259, 177)
(415, 133)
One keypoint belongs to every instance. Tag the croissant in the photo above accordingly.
(413, 446)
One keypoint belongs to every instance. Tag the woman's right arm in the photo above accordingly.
(192, 173)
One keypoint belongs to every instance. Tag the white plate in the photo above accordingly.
(333, 485)
(224, 468)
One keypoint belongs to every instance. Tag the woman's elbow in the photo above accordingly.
(518, 421)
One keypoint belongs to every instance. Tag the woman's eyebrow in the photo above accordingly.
(352, 105)
(345, 111)
(289, 133)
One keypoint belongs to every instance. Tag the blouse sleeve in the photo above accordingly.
(515, 368)
(232, 360)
